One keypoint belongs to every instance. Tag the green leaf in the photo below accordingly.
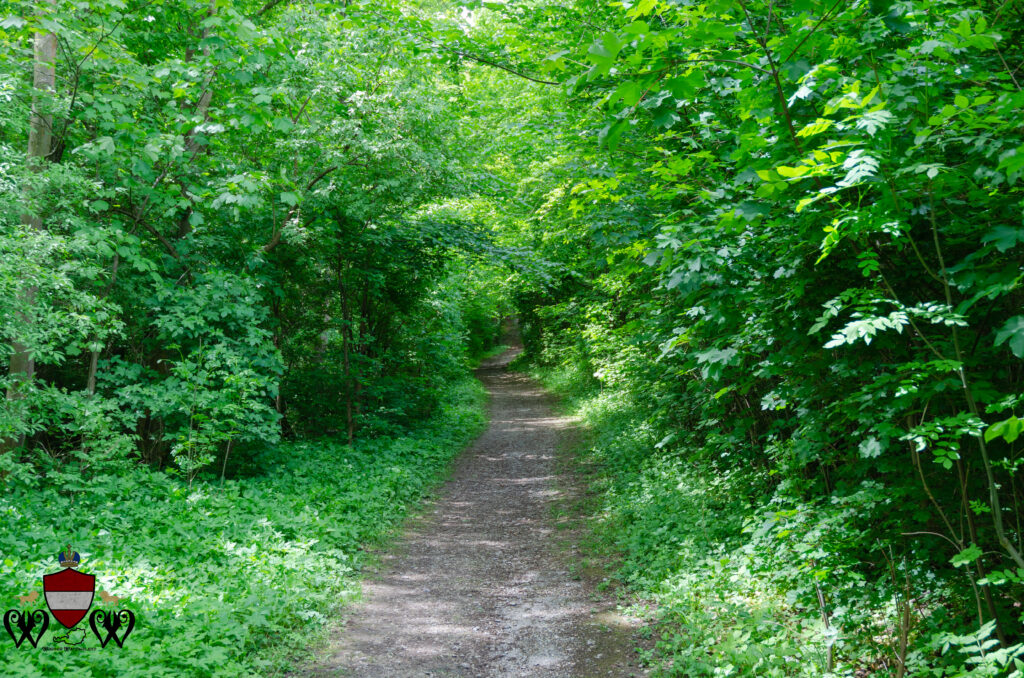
(611, 133)
(816, 127)
(629, 92)
(929, 46)
(873, 121)
(605, 49)
(289, 199)
(1012, 330)
(105, 145)
(750, 211)
(967, 556)
(1004, 237)
(1013, 162)
(686, 86)
(793, 172)
(642, 8)
(1009, 429)
(870, 448)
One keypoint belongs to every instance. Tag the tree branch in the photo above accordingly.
(275, 238)
(270, 4)
(822, 20)
(488, 62)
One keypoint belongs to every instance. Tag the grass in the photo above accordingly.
(224, 581)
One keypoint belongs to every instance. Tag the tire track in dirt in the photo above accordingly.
(476, 586)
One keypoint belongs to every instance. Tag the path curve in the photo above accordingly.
(476, 586)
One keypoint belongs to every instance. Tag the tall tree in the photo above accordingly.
(22, 365)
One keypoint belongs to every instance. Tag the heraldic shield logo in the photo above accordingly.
(69, 595)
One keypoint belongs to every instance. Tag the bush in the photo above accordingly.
(224, 581)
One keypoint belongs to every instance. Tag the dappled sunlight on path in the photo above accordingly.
(476, 586)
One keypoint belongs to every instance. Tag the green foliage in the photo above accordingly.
(776, 246)
(786, 245)
(237, 235)
(224, 581)
(233, 237)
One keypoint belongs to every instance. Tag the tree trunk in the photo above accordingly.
(94, 354)
(224, 466)
(192, 147)
(346, 334)
(22, 365)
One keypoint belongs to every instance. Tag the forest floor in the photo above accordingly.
(479, 584)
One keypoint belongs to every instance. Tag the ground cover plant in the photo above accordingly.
(789, 284)
(236, 315)
(230, 579)
(772, 246)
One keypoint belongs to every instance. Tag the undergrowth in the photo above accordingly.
(224, 581)
(738, 578)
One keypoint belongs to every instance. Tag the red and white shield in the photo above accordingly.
(69, 595)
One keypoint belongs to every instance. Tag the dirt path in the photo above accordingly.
(477, 587)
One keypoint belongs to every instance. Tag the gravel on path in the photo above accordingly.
(476, 587)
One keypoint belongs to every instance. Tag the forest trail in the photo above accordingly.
(477, 587)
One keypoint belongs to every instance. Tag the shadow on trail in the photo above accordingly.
(476, 587)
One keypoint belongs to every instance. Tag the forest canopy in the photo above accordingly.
(768, 251)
